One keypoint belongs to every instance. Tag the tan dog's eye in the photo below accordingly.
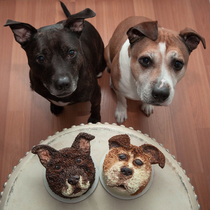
(178, 65)
(122, 156)
(138, 162)
(145, 61)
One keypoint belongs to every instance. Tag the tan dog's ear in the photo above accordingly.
(192, 39)
(155, 155)
(82, 142)
(122, 140)
(45, 153)
(145, 29)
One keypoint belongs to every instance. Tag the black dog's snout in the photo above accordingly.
(126, 171)
(160, 94)
(73, 180)
(62, 83)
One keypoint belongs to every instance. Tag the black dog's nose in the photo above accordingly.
(62, 83)
(126, 171)
(73, 180)
(160, 94)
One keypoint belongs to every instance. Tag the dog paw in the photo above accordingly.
(94, 120)
(99, 75)
(56, 110)
(121, 115)
(147, 109)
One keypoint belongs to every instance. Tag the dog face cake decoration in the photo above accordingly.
(127, 168)
(70, 172)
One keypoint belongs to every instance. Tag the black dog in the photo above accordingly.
(65, 60)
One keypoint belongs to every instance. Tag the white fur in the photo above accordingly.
(127, 85)
(69, 191)
(59, 103)
(165, 77)
(127, 82)
(141, 89)
(147, 109)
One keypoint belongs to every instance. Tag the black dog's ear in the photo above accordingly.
(145, 29)
(82, 142)
(45, 153)
(23, 32)
(155, 155)
(122, 140)
(192, 39)
(76, 21)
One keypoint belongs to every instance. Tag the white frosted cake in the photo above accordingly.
(70, 172)
(127, 168)
(25, 187)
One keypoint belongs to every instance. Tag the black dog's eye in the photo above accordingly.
(122, 156)
(145, 61)
(72, 53)
(40, 59)
(58, 167)
(177, 65)
(138, 162)
(78, 160)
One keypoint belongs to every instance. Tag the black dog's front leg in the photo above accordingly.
(95, 106)
(56, 110)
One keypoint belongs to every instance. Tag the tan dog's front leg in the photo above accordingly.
(121, 109)
(147, 109)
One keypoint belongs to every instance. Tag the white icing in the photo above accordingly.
(69, 192)
(132, 183)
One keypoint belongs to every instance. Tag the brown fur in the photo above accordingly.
(146, 61)
(62, 164)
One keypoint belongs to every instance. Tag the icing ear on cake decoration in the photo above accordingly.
(127, 169)
(70, 172)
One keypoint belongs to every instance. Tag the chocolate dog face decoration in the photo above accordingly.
(70, 171)
(127, 167)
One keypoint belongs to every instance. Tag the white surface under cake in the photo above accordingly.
(170, 188)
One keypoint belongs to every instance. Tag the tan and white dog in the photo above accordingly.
(147, 62)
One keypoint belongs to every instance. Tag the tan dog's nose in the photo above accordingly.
(126, 171)
(160, 93)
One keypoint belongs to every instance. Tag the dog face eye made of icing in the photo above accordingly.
(122, 157)
(138, 162)
(58, 167)
(78, 161)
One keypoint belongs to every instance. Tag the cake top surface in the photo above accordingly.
(128, 167)
(70, 172)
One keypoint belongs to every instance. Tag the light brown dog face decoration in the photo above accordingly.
(127, 167)
(70, 172)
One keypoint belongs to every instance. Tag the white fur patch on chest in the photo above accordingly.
(127, 82)
(59, 103)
